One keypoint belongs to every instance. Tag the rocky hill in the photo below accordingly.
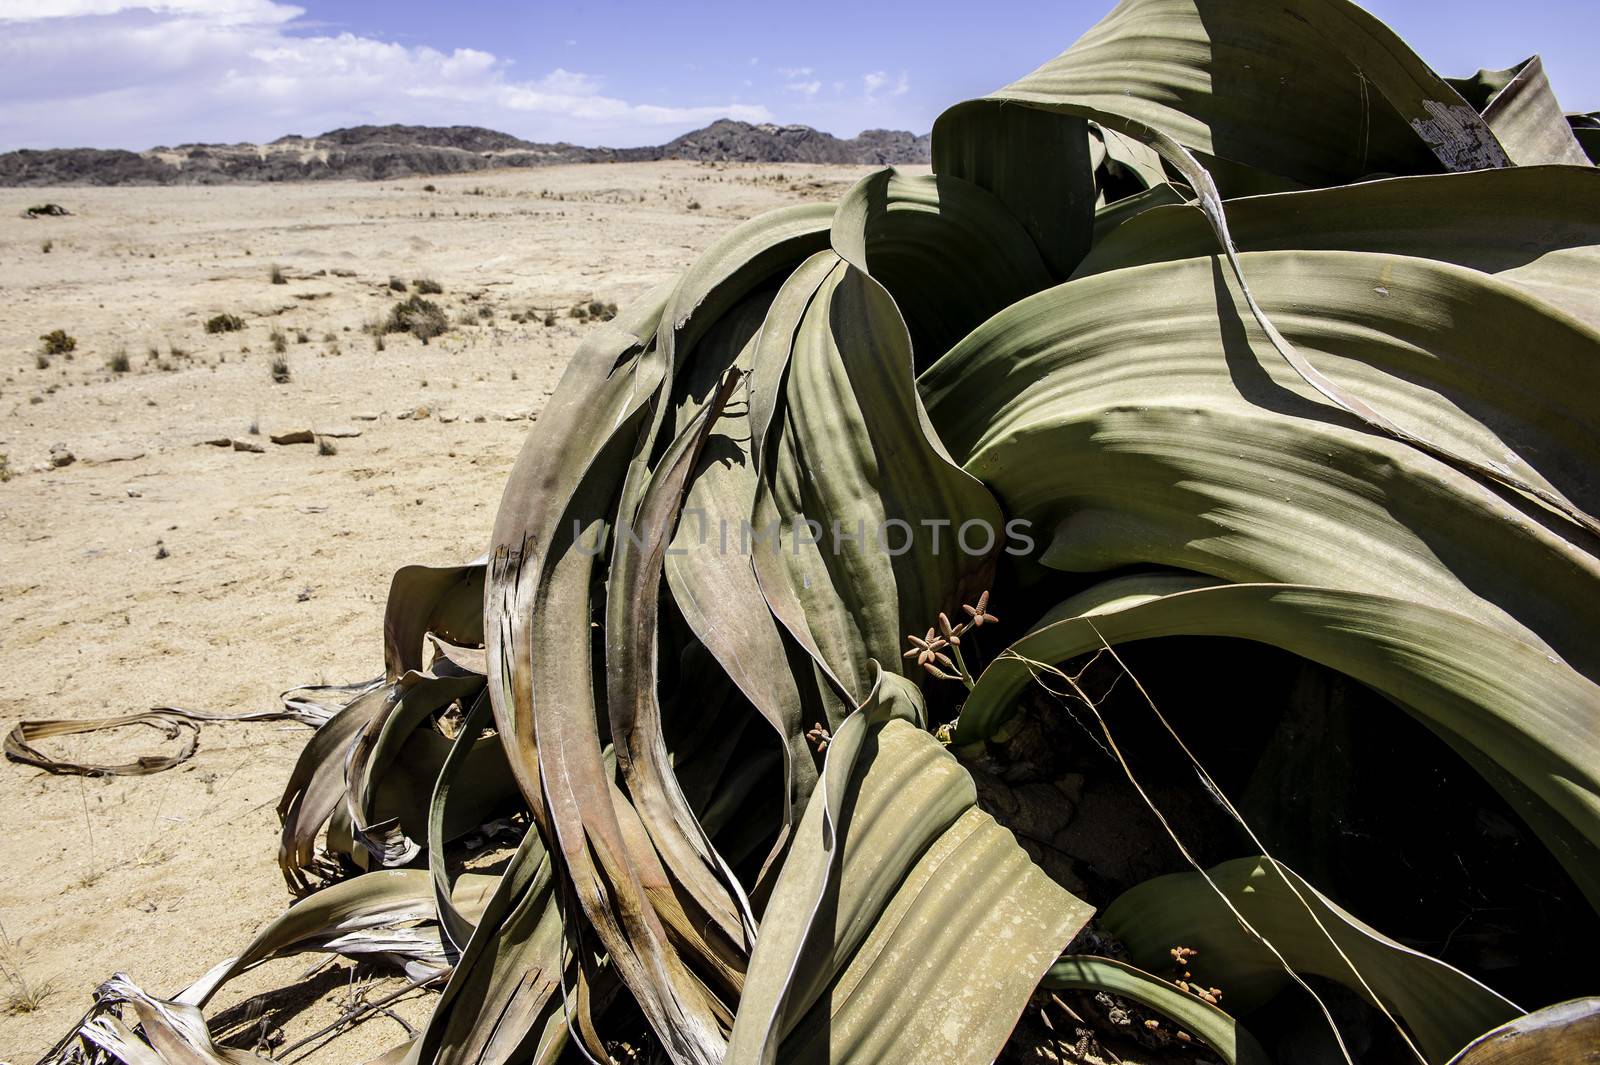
(382, 152)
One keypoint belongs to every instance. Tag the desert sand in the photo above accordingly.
(155, 569)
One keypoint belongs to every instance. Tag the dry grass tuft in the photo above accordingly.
(22, 994)
(57, 342)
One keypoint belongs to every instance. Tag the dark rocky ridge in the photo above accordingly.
(384, 152)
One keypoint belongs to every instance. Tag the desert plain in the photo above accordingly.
(142, 565)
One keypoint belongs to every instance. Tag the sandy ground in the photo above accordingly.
(275, 564)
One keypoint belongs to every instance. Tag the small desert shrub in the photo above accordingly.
(301, 336)
(396, 285)
(486, 313)
(225, 323)
(119, 363)
(419, 317)
(693, 205)
(42, 361)
(276, 274)
(57, 342)
(603, 311)
(580, 311)
(46, 246)
(280, 370)
(325, 446)
(5, 467)
(429, 188)
(427, 286)
(280, 343)
(550, 318)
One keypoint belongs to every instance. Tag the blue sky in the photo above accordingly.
(136, 73)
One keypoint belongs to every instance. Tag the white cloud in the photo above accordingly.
(794, 73)
(227, 11)
(804, 88)
(878, 79)
(169, 71)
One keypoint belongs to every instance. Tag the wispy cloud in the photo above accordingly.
(174, 70)
(875, 81)
(804, 88)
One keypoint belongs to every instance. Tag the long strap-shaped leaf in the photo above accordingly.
(866, 529)
(1443, 1007)
(1508, 703)
(1140, 429)
(1317, 91)
(713, 582)
(551, 524)
(636, 721)
(443, 600)
(948, 253)
(1519, 105)
(1536, 227)
(1232, 1042)
(897, 898)
(1567, 1031)
(504, 1001)
(1173, 121)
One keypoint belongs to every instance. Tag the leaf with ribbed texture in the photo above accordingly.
(1049, 187)
(1232, 1042)
(947, 251)
(902, 899)
(720, 910)
(1317, 91)
(1519, 105)
(849, 453)
(713, 582)
(1162, 438)
(1443, 1007)
(1504, 704)
(1565, 1032)
(446, 601)
(363, 905)
(561, 505)
(503, 1001)
(1536, 227)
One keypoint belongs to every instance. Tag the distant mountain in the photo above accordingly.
(384, 152)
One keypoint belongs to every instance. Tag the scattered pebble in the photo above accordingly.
(294, 436)
(248, 445)
(60, 456)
